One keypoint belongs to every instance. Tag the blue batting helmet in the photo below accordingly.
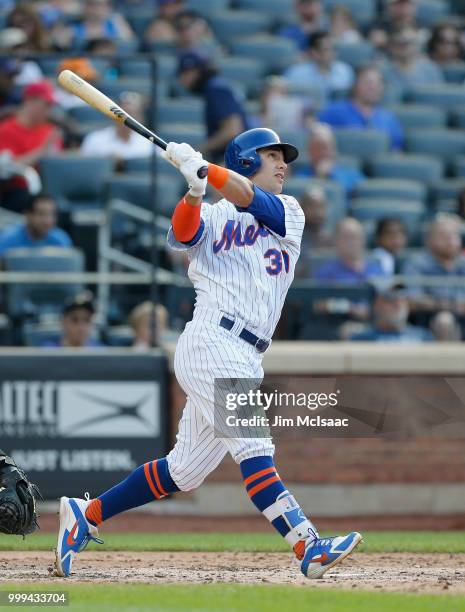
(242, 156)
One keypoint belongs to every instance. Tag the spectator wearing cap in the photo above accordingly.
(117, 140)
(163, 28)
(148, 322)
(442, 258)
(390, 319)
(391, 240)
(225, 116)
(39, 228)
(28, 136)
(324, 163)
(406, 66)
(351, 266)
(310, 19)
(13, 42)
(364, 110)
(77, 324)
(320, 68)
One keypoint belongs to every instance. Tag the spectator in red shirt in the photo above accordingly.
(28, 136)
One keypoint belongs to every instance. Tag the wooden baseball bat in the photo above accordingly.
(90, 94)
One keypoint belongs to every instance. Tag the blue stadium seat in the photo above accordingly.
(166, 66)
(363, 143)
(74, 180)
(189, 109)
(448, 189)
(135, 68)
(419, 115)
(356, 53)
(248, 71)
(139, 21)
(445, 96)
(390, 188)
(422, 168)
(49, 65)
(363, 11)
(206, 7)
(455, 72)
(137, 189)
(231, 25)
(442, 142)
(458, 166)
(113, 89)
(29, 299)
(429, 12)
(277, 53)
(369, 211)
(191, 133)
(278, 9)
(87, 114)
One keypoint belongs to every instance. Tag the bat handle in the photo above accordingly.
(202, 172)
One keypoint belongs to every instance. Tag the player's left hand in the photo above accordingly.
(189, 169)
(178, 153)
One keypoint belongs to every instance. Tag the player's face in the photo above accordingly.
(272, 171)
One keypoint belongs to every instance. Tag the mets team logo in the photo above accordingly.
(232, 236)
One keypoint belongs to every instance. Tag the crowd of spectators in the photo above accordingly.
(346, 73)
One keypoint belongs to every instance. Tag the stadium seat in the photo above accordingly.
(248, 71)
(231, 25)
(445, 96)
(206, 7)
(457, 117)
(363, 143)
(137, 189)
(429, 12)
(166, 66)
(49, 65)
(87, 114)
(454, 72)
(183, 132)
(139, 21)
(135, 68)
(363, 11)
(458, 166)
(296, 186)
(419, 115)
(114, 89)
(356, 53)
(448, 189)
(369, 211)
(28, 299)
(184, 110)
(74, 180)
(422, 168)
(277, 53)
(391, 189)
(442, 142)
(278, 9)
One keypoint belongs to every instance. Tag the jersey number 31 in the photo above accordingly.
(277, 260)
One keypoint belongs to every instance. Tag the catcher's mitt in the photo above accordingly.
(17, 499)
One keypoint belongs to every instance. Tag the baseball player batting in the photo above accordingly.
(242, 252)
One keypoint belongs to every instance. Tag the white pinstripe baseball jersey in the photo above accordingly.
(240, 267)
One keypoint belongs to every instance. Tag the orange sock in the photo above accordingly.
(185, 221)
(94, 512)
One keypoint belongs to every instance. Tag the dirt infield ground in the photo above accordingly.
(404, 572)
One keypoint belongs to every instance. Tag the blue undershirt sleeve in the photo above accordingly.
(269, 210)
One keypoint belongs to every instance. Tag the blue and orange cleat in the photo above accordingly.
(324, 553)
(75, 533)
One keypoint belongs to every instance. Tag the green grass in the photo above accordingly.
(243, 598)
(374, 541)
